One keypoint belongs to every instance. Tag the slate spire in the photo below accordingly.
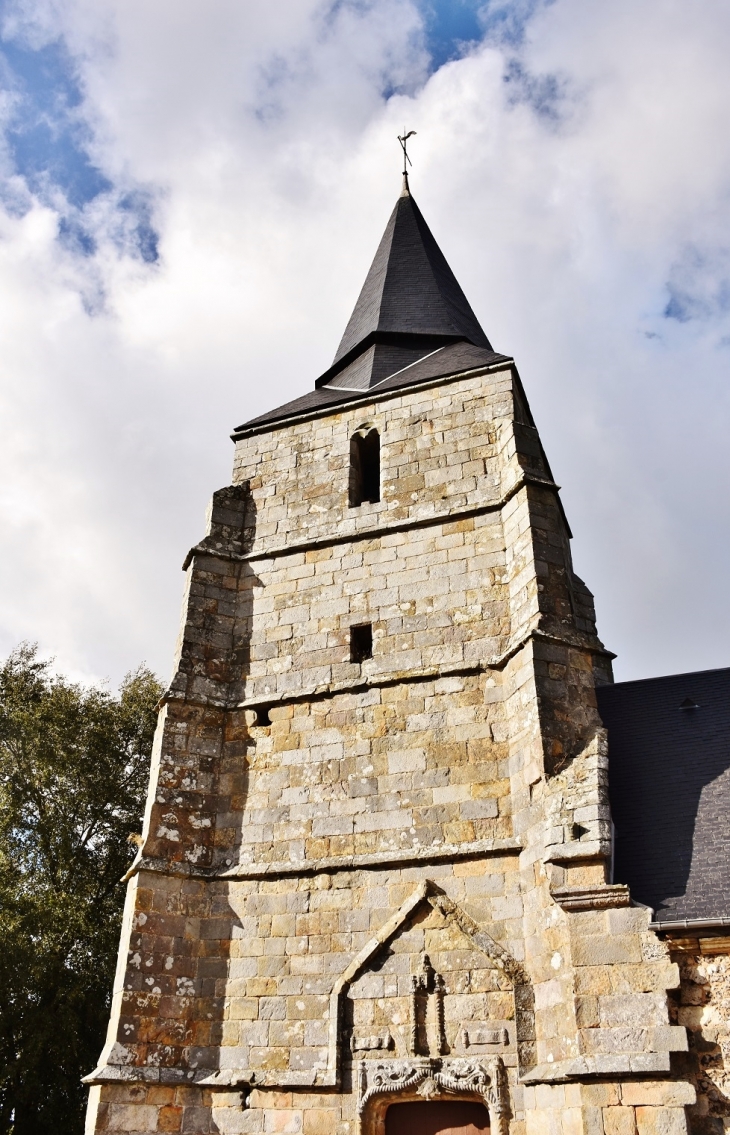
(410, 305)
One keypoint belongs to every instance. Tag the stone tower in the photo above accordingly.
(373, 894)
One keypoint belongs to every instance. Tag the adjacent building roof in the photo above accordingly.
(669, 772)
(412, 321)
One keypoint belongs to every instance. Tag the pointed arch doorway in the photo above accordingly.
(440, 1117)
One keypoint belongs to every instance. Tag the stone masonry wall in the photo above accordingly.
(702, 1006)
(413, 765)
(392, 872)
(440, 451)
(435, 599)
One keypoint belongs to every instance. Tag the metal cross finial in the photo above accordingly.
(403, 139)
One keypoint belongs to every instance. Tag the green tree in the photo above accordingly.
(73, 778)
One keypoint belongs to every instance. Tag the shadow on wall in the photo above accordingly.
(669, 774)
(224, 969)
(207, 688)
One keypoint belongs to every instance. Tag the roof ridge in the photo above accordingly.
(666, 677)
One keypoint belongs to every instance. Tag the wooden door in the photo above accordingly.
(442, 1117)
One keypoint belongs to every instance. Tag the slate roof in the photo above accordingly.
(454, 358)
(410, 289)
(669, 774)
(411, 322)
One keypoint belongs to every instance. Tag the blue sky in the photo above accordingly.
(451, 26)
(48, 141)
(50, 145)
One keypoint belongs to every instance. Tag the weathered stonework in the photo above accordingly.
(702, 1006)
(368, 882)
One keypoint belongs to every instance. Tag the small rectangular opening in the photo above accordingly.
(361, 642)
(262, 715)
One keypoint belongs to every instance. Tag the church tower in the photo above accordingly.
(373, 895)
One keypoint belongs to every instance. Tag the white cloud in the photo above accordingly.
(573, 202)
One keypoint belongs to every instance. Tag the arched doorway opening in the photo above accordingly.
(438, 1117)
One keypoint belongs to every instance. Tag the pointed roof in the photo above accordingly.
(411, 303)
(412, 323)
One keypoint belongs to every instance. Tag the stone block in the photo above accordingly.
(619, 1121)
(658, 1093)
(196, 1121)
(132, 1117)
(671, 1038)
(481, 809)
(282, 1122)
(633, 1009)
(320, 1121)
(610, 1040)
(234, 1120)
(571, 1119)
(661, 1121)
(586, 1012)
(600, 950)
(644, 1062)
(600, 1095)
(169, 1118)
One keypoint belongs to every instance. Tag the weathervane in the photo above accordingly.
(403, 139)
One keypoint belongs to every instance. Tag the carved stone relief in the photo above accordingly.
(481, 1035)
(425, 984)
(380, 1042)
(450, 997)
(438, 987)
(430, 1078)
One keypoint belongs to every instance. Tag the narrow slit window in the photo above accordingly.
(361, 642)
(364, 468)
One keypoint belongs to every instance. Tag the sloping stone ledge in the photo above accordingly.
(581, 1067)
(474, 850)
(432, 854)
(392, 677)
(568, 852)
(205, 1077)
(562, 1071)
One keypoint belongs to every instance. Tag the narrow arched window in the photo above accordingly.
(364, 467)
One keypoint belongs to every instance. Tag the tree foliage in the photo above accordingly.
(73, 778)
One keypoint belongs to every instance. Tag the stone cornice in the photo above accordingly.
(591, 898)
(377, 681)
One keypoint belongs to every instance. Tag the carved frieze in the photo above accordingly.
(431, 1078)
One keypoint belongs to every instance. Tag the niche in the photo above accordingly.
(364, 482)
